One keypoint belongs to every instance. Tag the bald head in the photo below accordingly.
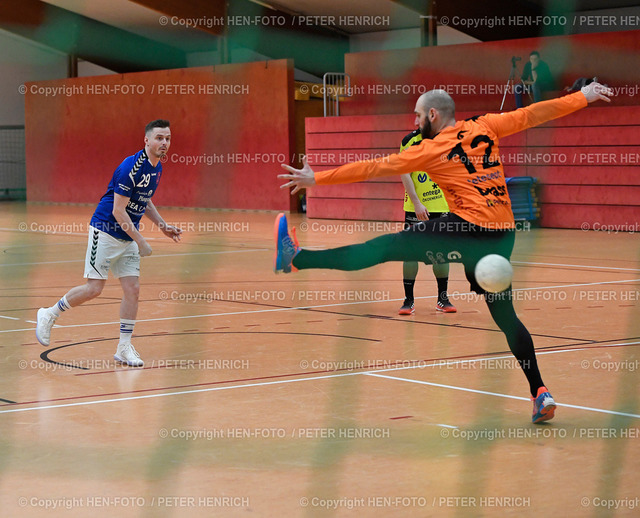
(434, 110)
(439, 100)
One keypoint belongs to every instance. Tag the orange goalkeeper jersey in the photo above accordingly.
(464, 161)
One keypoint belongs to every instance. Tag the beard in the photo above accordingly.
(426, 129)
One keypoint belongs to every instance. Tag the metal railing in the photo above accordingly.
(335, 86)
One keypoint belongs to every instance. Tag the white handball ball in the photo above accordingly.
(494, 273)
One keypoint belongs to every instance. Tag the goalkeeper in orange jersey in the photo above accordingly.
(463, 158)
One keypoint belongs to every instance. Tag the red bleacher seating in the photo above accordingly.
(586, 165)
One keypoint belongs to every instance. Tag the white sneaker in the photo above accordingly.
(45, 321)
(126, 353)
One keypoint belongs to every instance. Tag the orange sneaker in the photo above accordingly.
(544, 407)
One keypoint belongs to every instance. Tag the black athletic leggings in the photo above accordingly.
(448, 239)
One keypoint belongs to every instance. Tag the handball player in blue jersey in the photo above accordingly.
(114, 240)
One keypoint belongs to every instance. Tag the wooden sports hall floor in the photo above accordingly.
(306, 394)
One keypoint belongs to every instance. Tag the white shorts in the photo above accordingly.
(105, 252)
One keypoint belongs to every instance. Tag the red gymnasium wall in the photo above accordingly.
(231, 126)
(476, 74)
(586, 163)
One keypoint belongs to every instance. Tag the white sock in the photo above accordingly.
(126, 330)
(60, 306)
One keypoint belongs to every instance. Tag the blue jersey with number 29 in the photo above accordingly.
(136, 179)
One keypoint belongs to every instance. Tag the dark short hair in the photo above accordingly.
(158, 123)
(534, 53)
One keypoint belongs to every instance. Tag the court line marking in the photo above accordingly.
(152, 256)
(148, 396)
(579, 266)
(375, 373)
(275, 310)
(507, 396)
(9, 318)
(82, 234)
(575, 285)
(54, 233)
(27, 231)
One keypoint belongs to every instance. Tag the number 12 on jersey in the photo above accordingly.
(487, 163)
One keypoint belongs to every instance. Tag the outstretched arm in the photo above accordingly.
(412, 159)
(504, 124)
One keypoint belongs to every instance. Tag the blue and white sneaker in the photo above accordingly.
(544, 407)
(286, 247)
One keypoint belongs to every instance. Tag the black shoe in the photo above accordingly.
(445, 306)
(407, 308)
